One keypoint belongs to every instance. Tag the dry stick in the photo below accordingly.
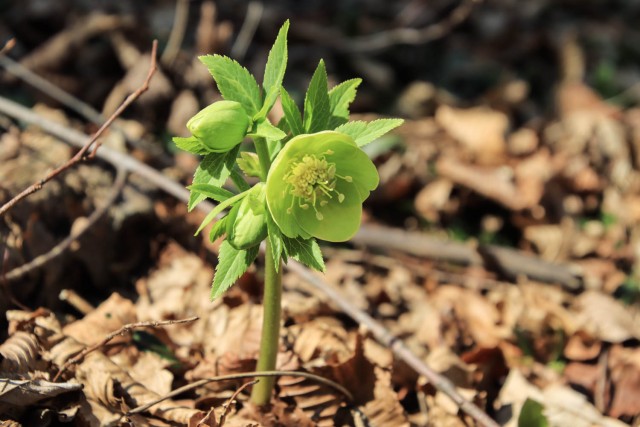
(248, 29)
(59, 249)
(227, 405)
(386, 39)
(8, 46)
(93, 141)
(189, 387)
(125, 329)
(175, 189)
(180, 21)
(392, 342)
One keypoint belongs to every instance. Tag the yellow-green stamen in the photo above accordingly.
(312, 180)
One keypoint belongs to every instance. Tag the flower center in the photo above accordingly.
(312, 181)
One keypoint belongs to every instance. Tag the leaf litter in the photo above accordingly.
(562, 189)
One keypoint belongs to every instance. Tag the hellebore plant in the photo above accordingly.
(312, 177)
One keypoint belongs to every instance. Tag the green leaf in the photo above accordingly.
(213, 170)
(218, 229)
(274, 71)
(232, 263)
(340, 97)
(365, 132)
(238, 179)
(218, 209)
(235, 82)
(190, 144)
(266, 130)
(276, 241)
(249, 164)
(291, 113)
(532, 415)
(317, 108)
(216, 193)
(306, 251)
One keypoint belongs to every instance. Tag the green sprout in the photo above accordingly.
(313, 177)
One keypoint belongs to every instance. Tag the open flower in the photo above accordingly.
(316, 186)
(220, 126)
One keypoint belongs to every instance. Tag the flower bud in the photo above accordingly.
(247, 222)
(220, 126)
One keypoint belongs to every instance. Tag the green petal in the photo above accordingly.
(340, 223)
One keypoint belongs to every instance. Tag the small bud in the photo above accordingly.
(247, 222)
(220, 126)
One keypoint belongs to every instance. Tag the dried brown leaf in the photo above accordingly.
(605, 318)
(19, 353)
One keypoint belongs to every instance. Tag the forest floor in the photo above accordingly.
(496, 271)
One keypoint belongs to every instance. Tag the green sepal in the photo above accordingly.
(249, 163)
(232, 263)
(306, 251)
(190, 144)
(317, 107)
(365, 132)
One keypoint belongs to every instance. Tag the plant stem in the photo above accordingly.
(272, 303)
(263, 156)
(261, 394)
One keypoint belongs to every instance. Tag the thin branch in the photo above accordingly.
(248, 30)
(199, 383)
(8, 46)
(59, 249)
(93, 141)
(180, 21)
(227, 405)
(386, 39)
(389, 340)
(128, 328)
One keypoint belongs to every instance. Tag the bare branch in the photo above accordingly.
(93, 141)
(128, 328)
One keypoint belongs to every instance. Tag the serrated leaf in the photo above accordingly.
(317, 108)
(218, 229)
(218, 194)
(235, 82)
(275, 240)
(274, 70)
(306, 251)
(213, 170)
(365, 132)
(340, 97)
(238, 179)
(264, 129)
(232, 263)
(291, 113)
(249, 164)
(532, 415)
(190, 144)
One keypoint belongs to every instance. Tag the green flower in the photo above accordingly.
(316, 186)
(220, 126)
(247, 222)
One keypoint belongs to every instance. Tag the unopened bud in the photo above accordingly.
(220, 126)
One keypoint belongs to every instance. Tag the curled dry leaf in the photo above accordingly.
(19, 353)
(24, 393)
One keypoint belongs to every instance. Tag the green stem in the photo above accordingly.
(269, 344)
(263, 156)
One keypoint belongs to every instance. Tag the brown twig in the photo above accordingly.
(227, 405)
(125, 329)
(387, 39)
(199, 383)
(393, 343)
(180, 21)
(248, 29)
(93, 141)
(8, 46)
(59, 249)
